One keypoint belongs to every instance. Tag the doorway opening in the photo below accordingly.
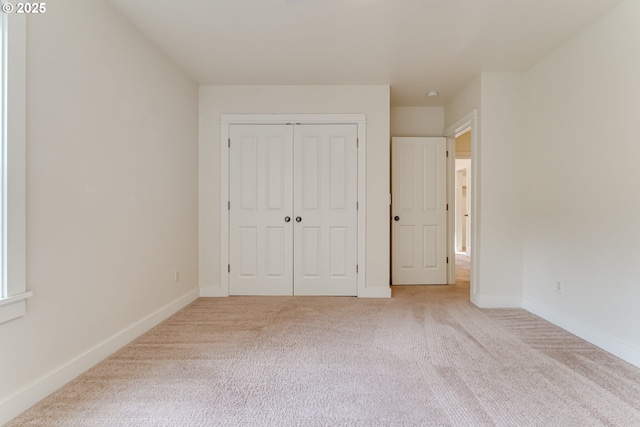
(463, 192)
(462, 207)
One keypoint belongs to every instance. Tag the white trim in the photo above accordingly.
(4, 18)
(16, 153)
(15, 170)
(462, 130)
(254, 119)
(474, 222)
(214, 291)
(228, 119)
(377, 292)
(461, 125)
(15, 298)
(224, 215)
(451, 202)
(22, 400)
(474, 195)
(496, 301)
(609, 343)
(362, 208)
(470, 120)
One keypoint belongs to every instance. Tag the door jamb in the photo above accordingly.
(451, 217)
(468, 121)
(290, 119)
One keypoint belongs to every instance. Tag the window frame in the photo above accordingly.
(13, 278)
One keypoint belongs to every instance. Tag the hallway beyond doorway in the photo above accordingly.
(463, 270)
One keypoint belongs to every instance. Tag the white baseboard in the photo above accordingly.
(608, 343)
(496, 301)
(377, 292)
(213, 291)
(22, 400)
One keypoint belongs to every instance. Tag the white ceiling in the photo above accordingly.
(413, 45)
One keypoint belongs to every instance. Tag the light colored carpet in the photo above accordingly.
(426, 357)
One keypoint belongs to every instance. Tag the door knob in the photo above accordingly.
(287, 218)
(298, 219)
(397, 218)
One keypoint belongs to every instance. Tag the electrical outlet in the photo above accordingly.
(176, 275)
(559, 287)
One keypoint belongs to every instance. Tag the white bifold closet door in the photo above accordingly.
(261, 200)
(293, 210)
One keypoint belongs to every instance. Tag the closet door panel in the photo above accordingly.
(325, 206)
(261, 198)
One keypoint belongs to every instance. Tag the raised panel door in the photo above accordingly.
(419, 211)
(261, 200)
(325, 206)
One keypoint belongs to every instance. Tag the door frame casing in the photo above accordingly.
(468, 121)
(227, 120)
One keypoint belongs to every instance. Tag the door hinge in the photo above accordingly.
(228, 206)
(228, 268)
(447, 153)
(357, 142)
(357, 205)
(357, 268)
(229, 142)
(447, 206)
(447, 260)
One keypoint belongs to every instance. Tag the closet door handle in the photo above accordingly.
(287, 218)
(298, 219)
(396, 218)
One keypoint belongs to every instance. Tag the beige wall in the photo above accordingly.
(555, 195)
(111, 195)
(497, 259)
(501, 142)
(463, 103)
(112, 185)
(581, 184)
(463, 145)
(417, 121)
(373, 101)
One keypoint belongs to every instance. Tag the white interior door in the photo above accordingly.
(261, 210)
(419, 211)
(325, 206)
